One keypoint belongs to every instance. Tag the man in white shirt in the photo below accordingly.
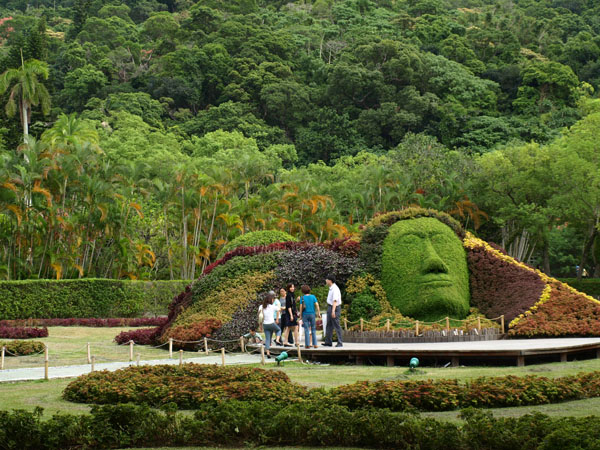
(334, 310)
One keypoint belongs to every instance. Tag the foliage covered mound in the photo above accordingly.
(223, 302)
(256, 238)
(22, 348)
(22, 332)
(189, 386)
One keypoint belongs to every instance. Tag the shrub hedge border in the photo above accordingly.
(238, 424)
(87, 297)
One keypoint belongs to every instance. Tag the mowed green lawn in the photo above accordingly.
(65, 341)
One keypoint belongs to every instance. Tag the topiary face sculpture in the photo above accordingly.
(424, 270)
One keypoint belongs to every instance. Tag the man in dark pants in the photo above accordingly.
(334, 310)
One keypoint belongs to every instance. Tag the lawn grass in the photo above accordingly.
(67, 346)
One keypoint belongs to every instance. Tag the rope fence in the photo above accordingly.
(94, 353)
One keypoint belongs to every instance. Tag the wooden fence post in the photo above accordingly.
(170, 348)
(387, 325)
(89, 353)
(45, 361)
(93, 362)
(299, 352)
(206, 346)
(417, 328)
(345, 324)
(361, 324)
(502, 322)
(223, 356)
(447, 323)
(262, 355)
(242, 344)
(137, 358)
(130, 350)
(180, 358)
(479, 324)
(2, 359)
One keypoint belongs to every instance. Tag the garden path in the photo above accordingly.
(37, 373)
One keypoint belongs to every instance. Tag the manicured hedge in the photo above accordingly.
(590, 286)
(85, 298)
(484, 392)
(189, 386)
(253, 424)
(93, 322)
(22, 348)
(22, 332)
(255, 238)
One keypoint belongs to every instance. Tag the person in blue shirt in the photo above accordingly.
(308, 306)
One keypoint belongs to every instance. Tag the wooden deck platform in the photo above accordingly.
(479, 352)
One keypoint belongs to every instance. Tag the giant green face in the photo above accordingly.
(424, 270)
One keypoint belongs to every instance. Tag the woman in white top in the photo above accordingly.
(270, 320)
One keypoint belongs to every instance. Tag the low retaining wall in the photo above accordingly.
(406, 336)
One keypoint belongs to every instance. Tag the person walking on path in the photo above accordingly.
(271, 315)
(277, 317)
(334, 310)
(308, 304)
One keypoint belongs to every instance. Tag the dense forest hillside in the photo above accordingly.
(160, 130)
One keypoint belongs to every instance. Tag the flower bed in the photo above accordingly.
(144, 336)
(22, 348)
(22, 332)
(89, 322)
(189, 386)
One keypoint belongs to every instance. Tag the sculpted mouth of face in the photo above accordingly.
(424, 270)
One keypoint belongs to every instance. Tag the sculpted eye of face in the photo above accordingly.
(424, 270)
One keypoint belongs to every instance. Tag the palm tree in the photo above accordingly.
(26, 90)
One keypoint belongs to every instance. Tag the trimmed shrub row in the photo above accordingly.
(194, 385)
(22, 348)
(189, 386)
(22, 332)
(86, 297)
(89, 322)
(238, 424)
(443, 395)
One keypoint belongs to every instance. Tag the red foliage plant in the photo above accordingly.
(565, 313)
(87, 322)
(144, 336)
(501, 287)
(22, 332)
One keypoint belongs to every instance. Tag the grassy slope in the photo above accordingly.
(63, 341)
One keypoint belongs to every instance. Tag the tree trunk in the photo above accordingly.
(586, 250)
(546, 258)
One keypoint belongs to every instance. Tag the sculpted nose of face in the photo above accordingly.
(432, 263)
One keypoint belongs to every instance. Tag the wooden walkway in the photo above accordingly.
(560, 349)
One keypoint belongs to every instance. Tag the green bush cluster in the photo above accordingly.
(255, 238)
(590, 286)
(364, 306)
(88, 297)
(22, 348)
(237, 424)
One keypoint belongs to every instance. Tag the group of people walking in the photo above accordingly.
(281, 316)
